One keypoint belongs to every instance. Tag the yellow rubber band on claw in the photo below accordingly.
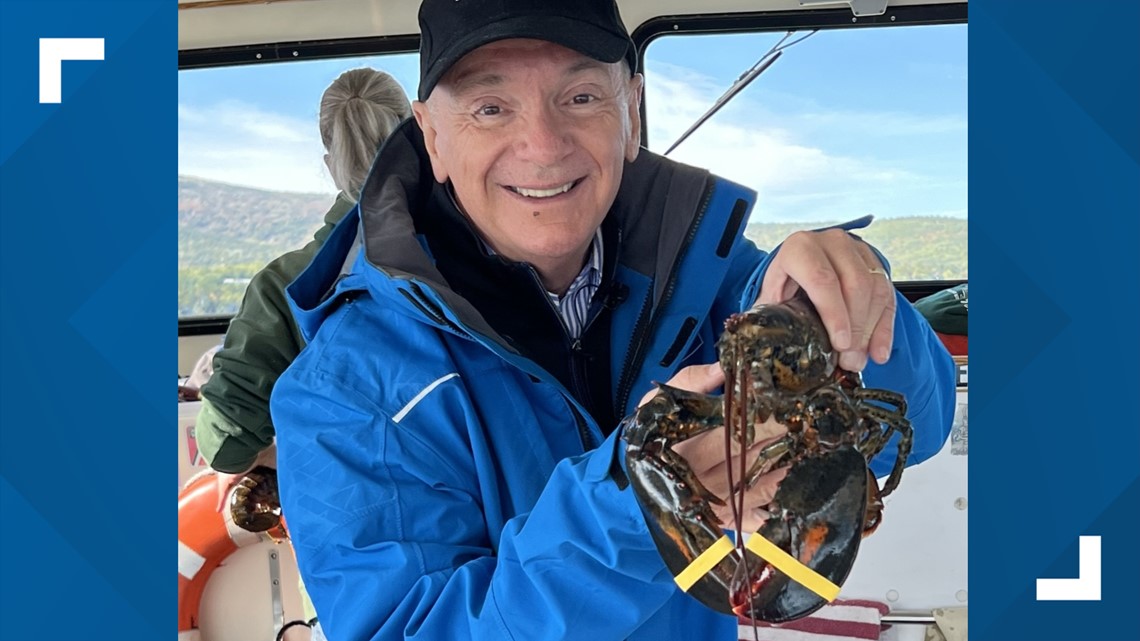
(791, 566)
(704, 563)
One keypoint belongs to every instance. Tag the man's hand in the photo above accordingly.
(706, 456)
(849, 287)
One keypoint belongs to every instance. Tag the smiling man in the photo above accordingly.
(517, 274)
(533, 138)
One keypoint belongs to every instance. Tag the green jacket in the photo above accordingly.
(234, 424)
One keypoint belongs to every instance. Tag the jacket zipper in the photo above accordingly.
(420, 300)
(645, 321)
(577, 377)
(583, 429)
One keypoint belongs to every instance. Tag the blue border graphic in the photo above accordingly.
(88, 203)
(87, 252)
(1055, 250)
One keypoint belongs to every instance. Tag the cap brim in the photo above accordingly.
(585, 38)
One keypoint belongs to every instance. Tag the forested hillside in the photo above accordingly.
(227, 233)
(918, 248)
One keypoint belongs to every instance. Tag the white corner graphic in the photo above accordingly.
(1086, 587)
(53, 51)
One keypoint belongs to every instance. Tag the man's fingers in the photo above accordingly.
(699, 378)
(703, 452)
(882, 339)
(777, 286)
(704, 379)
(755, 499)
(761, 493)
(857, 283)
(846, 281)
(872, 339)
(853, 360)
(648, 397)
(809, 265)
(706, 457)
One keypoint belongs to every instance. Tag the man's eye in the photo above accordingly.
(582, 99)
(489, 110)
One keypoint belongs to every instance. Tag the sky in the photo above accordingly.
(846, 123)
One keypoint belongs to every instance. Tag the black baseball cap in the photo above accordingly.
(451, 29)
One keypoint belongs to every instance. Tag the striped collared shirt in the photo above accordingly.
(574, 305)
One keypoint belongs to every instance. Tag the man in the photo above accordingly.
(448, 457)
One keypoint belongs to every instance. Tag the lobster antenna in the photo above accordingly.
(736, 416)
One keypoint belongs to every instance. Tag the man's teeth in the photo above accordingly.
(543, 193)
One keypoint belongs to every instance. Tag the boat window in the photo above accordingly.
(252, 183)
(848, 122)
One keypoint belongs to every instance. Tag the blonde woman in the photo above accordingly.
(234, 430)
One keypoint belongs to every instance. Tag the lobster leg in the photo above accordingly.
(883, 396)
(769, 457)
(874, 514)
(895, 423)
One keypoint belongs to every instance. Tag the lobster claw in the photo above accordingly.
(683, 407)
(254, 502)
(824, 499)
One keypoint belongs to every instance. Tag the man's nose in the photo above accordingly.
(545, 139)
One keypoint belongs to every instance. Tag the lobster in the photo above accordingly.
(254, 503)
(778, 365)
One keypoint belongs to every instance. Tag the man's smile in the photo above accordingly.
(539, 193)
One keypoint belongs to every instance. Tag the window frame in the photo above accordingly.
(296, 51)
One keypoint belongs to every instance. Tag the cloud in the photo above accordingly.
(885, 124)
(772, 151)
(238, 143)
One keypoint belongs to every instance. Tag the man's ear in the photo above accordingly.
(424, 119)
(633, 145)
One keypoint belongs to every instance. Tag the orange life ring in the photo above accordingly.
(205, 538)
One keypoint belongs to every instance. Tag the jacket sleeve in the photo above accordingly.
(261, 341)
(919, 368)
(392, 541)
(922, 370)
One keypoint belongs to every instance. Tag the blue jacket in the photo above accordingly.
(436, 483)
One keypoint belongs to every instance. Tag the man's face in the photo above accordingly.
(533, 137)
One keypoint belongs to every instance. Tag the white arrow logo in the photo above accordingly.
(1086, 587)
(53, 51)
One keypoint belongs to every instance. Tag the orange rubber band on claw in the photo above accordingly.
(791, 566)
